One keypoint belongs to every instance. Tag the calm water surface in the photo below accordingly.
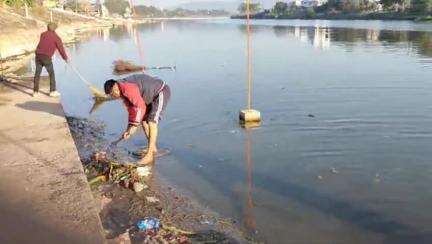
(343, 153)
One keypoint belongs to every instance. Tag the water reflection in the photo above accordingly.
(103, 33)
(419, 42)
(249, 217)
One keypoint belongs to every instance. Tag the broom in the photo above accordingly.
(124, 67)
(97, 94)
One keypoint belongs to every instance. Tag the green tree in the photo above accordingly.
(116, 6)
(17, 3)
(254, 8)
(280, 8)
(78, 5)
(148, 11)
(424, 6)
(390, 3)
(310, 13)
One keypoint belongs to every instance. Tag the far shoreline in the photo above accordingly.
(187, 18)
(371, 16)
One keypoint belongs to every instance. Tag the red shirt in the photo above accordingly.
(48, 43)
(134, 102)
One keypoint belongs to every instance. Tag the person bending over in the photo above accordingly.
(145, 98)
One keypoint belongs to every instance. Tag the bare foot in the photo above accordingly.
(148, 159)
(142, 154)
(145, 150)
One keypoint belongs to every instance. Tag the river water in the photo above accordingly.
(343, 152)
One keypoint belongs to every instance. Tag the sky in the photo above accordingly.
(171, 3)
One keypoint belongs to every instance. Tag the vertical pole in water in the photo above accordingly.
(137, 36)
(249, 117)
(249, 54)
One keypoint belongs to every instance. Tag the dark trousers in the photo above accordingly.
(44, 61)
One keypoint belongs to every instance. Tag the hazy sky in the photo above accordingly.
(169, 3)
(166, 3)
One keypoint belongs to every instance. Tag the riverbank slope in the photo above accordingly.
(20, 34)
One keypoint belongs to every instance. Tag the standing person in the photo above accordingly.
(48, 43)
(145, 98)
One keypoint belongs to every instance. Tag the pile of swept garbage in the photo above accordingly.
(129, 176)
(101, 169)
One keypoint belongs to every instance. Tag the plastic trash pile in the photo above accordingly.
(155, 232)
(129, 176)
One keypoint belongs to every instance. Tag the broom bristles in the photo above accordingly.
(98, 95)
(123, 67)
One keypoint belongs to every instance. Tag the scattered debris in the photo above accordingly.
(97, 179)
(149, 224)
(104, 201)
(206, 221)
(152, 199)
(138, 186)
(143, 171)
(377, 178)
(334, 171)
(126, 175)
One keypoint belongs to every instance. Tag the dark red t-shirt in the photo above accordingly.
(48, 43)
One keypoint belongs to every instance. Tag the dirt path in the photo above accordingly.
(45, 197)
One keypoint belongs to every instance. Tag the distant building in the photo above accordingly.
(297, 3)
(312, 3)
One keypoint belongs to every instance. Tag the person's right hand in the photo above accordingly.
(129, 131)
(126, 135)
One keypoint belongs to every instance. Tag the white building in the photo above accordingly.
(297, 3)
(312, 3)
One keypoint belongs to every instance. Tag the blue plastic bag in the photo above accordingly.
(149, 224)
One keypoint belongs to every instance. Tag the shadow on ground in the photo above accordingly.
(24, 86)
(47, 107)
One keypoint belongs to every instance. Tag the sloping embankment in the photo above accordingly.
(45, 197)
(20, 35)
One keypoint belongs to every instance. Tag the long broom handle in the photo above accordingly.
(79, 74)
(161, 67)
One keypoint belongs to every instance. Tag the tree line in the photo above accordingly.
(122, 8)
(282, 9)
